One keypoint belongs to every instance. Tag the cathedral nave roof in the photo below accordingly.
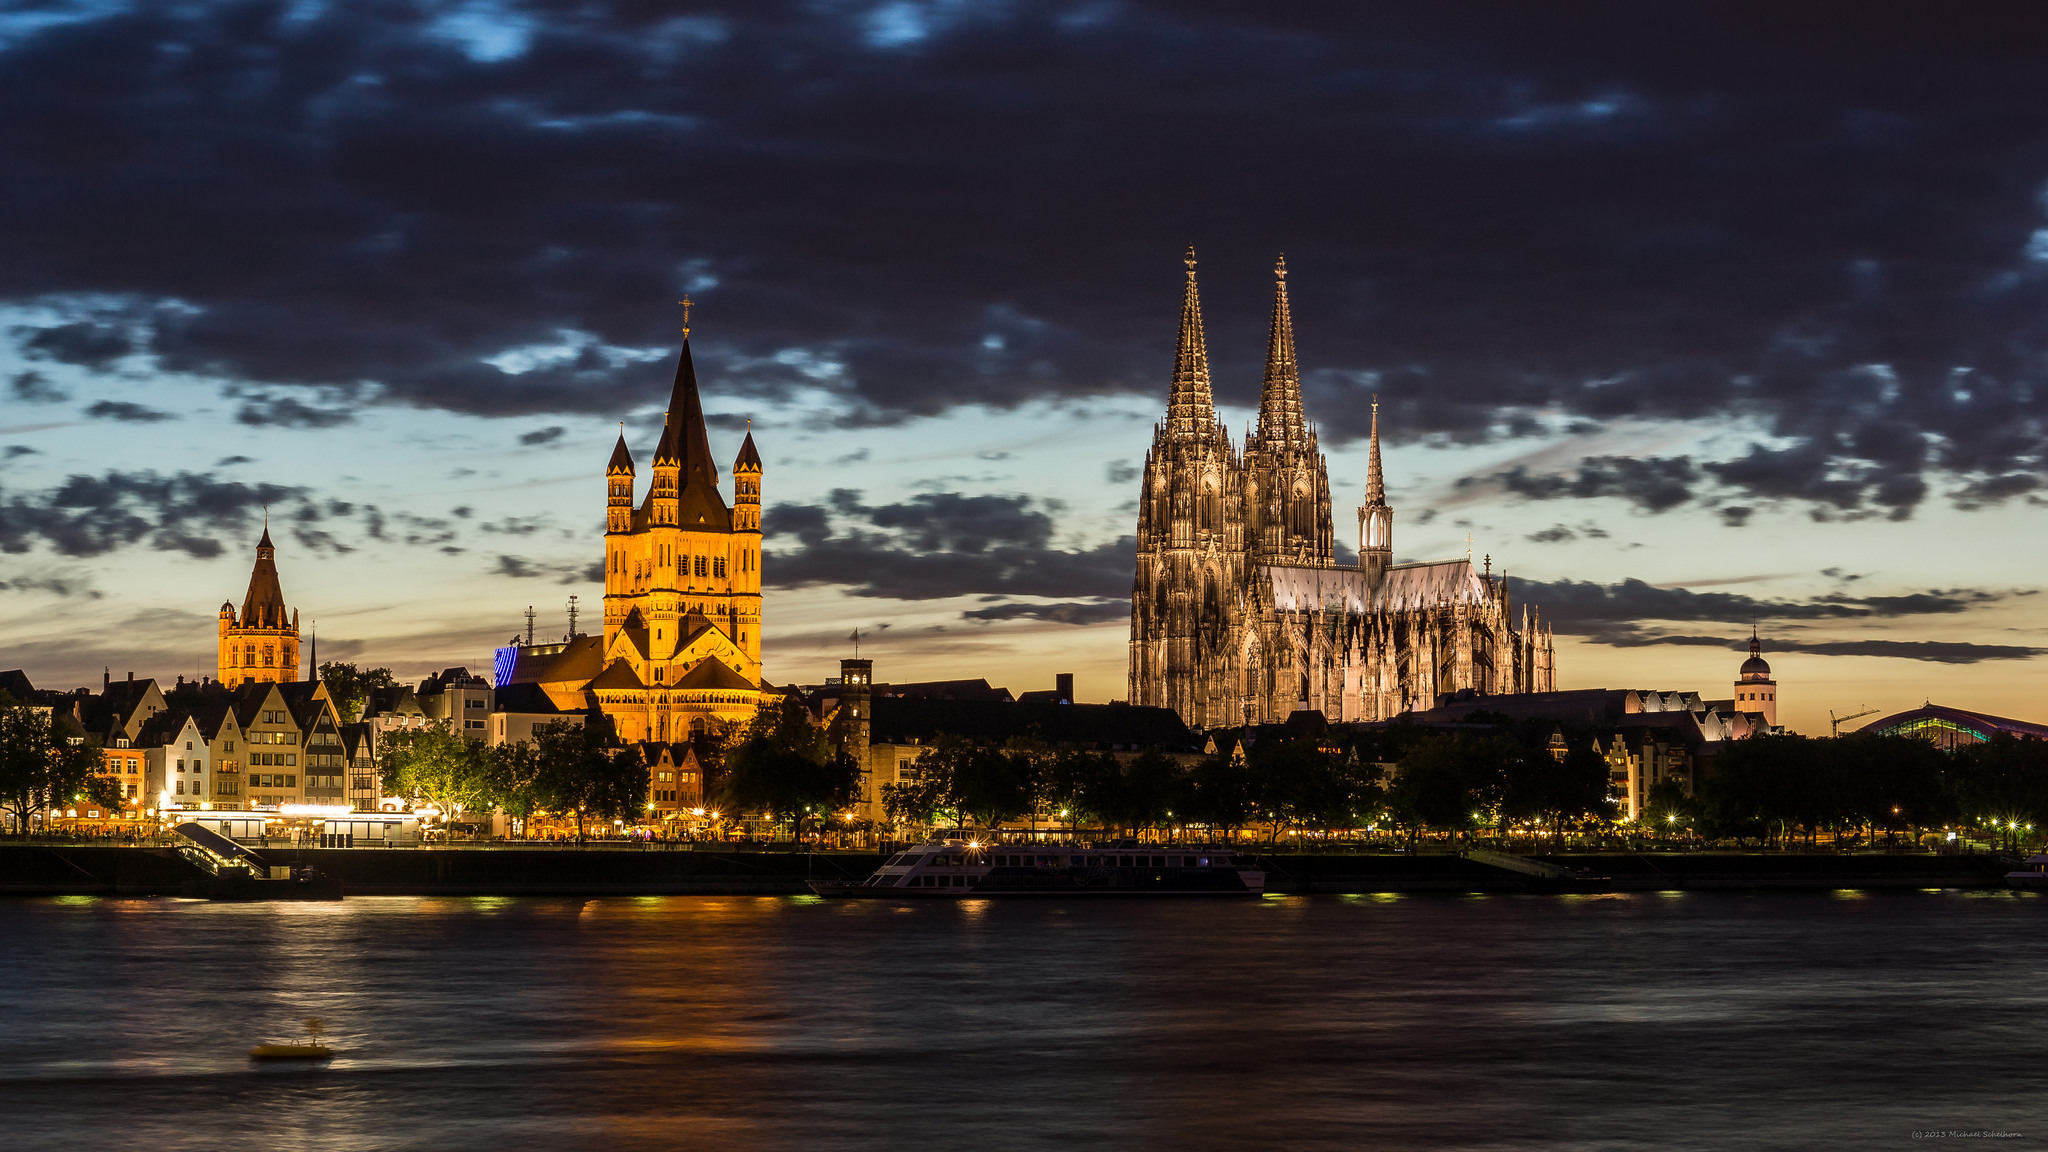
(1404, 587)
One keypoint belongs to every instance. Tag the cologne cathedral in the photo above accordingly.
(1240, 613)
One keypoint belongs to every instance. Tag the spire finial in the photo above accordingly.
(1280, 268)
(686, 302)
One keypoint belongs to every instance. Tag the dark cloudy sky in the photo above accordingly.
(1687, 314)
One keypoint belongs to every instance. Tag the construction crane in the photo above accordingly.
(1835, 722)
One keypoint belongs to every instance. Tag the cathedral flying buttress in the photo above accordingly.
(1240, 613)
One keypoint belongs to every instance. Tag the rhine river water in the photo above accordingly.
(1670, 1021)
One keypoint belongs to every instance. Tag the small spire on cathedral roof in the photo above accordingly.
(1375, 479)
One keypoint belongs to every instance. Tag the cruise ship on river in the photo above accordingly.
(952, 869)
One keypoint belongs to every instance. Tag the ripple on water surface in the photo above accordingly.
(1701, 1021)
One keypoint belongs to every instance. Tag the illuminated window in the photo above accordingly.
(718, 567)
(700, 567)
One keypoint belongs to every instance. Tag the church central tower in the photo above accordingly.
(682, 584)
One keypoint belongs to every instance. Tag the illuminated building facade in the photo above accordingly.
(1240, 613)
(261, 645)
(682, 582)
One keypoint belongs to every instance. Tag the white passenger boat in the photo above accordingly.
(955, 868)
(2032, 874)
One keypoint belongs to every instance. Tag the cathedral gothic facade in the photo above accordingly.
(1240, 613)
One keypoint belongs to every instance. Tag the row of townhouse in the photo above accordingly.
(264, 745)
(205, 747)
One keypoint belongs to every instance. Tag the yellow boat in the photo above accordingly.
(291, 1052)
(312, 1049)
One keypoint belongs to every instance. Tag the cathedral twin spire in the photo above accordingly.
(1283, 424)
(1191, 409)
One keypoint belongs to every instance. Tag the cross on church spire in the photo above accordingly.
(686, 302)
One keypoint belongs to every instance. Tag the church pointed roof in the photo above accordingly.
(622, 457)
(1191, 410)
(1281, 423)
(265, 601)
(619, 674)
(713, 674)
(685, 445)
(750, 457)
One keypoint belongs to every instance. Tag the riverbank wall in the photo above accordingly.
(54, 869)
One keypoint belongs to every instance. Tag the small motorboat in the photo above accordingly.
(2032, 874)
(291, 1052)
(309, 1049)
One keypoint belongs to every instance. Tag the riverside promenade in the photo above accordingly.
(52, 868)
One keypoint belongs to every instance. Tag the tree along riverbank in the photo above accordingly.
(50, 869)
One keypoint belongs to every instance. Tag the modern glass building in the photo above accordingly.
(1951, 728)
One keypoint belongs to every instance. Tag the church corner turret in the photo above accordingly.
(1239, 611)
